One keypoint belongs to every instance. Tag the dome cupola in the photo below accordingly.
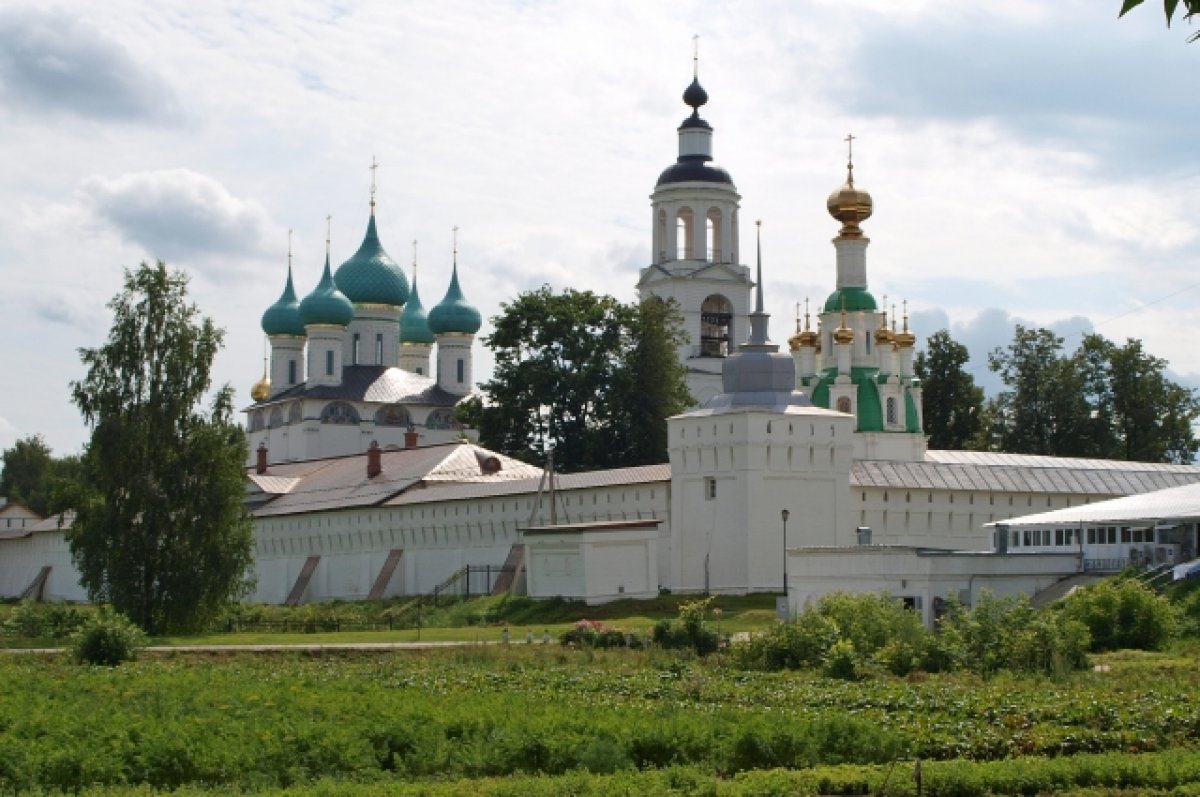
(454, 314)
(326, 305)
(370, 276)
(414, 321)
(695, 143)
(849, 204)
(283, 317)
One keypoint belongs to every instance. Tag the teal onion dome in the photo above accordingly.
(414, 321)
(326, 304)
(850, 300)
(283, 317)
(370, 276)
(454, 314)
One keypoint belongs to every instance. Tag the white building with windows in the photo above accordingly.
(806, 467)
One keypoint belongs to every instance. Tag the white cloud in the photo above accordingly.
(178, 215)
(52, 62)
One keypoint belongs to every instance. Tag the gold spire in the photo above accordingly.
(805, 337)
(843, 334)
(883, 335)
(905, 339)
(261, 389)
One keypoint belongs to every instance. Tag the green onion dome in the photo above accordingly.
(850, 300)
(414, 321)
(283, 317)
(370, 276)
(454, 314)
(326, 304)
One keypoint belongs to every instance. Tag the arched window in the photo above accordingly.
(716, 251)
(276, 418)
(256, 421)
(685, 234)
(843, 404)
(891, 411)
(716, 326)
(341, 413)
(393, 415)
(296, 413)
(441, 419)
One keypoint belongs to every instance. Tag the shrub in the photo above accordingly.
(108, 639)
(799, 643)
(841, 661)
(688, 630)
(1122, 613)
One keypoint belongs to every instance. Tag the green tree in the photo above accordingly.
(591, 376)
(953, 403)
(1043, 411)
(1151, 415)
(34, 476)
(1190, 9)
(160, 532)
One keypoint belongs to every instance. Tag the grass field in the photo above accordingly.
(548, 720)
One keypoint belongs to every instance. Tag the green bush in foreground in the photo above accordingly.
(1122, 613)
(107, 639)
(844, 635)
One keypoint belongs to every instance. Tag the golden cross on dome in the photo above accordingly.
(849, 139)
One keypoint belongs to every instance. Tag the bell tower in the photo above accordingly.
(695, 251)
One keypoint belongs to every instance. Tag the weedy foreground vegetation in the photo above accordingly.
(534, 719)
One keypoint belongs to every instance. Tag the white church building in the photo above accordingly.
(803, 470)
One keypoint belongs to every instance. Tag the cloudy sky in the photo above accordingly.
(1029, 161)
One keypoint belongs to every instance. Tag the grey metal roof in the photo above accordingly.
(617, 477)
(1173, 503)
(375, 383)
(342, 483)
(1020, 473)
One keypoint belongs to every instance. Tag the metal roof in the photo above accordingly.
(617, 477)
(342, 483)
(1174, 503)
(1020, 473)
(373, 383)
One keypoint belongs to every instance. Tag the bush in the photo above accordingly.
(799, 643)
(841, 661)
(688, 631)
(1122, 613)
(108, 639)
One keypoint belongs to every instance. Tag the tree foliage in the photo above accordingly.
(1104, 400)
(1190, 8)
(160, 531)
(1122, 613)
(34, 476)
(593, 377)
(952, 401)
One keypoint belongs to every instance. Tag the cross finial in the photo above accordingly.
(455, 231)
(696, 55)
(374, 167)
(806, 313)
(289, 248)
(849, 139)
(328, 233)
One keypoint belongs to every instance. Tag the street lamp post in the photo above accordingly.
(785, 515)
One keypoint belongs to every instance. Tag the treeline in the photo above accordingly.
(1102, 400)
(34, 477)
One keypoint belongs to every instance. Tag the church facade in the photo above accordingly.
(802, 470)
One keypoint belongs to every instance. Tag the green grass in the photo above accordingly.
(496, 719)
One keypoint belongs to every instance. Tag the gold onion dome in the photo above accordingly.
(905, 339)
(261, 390)
(884, 335)
(850, 205)
(803, 338)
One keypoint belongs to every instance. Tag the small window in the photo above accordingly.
(891, 408)
(461, 371)
(291, 372)
(710, 488)
(354, 350)
(379, 348)
(329, 363)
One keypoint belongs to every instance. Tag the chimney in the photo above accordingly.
(260, 465)
(410, 438)
(374, 460)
